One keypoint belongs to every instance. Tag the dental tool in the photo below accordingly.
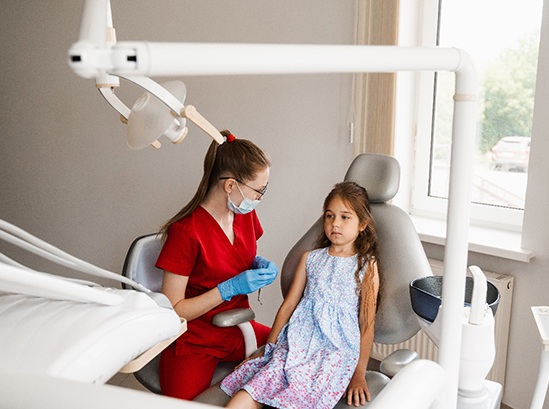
(33, 244)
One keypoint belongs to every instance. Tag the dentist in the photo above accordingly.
(210, 264)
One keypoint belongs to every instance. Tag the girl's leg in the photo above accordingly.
(243, 400)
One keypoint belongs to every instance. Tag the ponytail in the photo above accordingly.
(238, 158)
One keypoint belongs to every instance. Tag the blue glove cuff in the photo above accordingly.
(226, 290)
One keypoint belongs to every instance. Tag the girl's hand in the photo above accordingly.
(357, 392)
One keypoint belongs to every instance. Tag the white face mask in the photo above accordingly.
(246, 206)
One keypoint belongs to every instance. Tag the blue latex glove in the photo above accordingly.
(249, 281)
(260, 262)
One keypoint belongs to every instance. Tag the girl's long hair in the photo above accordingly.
(238, 158)
(366, 246)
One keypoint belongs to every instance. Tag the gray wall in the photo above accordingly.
(67, 174)
(68, 177)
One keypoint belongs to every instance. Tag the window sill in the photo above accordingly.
(498, 243)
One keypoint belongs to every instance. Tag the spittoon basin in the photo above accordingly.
(426, 295)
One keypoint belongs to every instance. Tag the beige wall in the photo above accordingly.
(68, 177)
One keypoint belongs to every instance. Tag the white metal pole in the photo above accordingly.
(95, 18)
(455, 256)
(177, 59)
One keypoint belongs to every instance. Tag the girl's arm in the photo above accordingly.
(291, 300)
(357, 392)
(174, 286)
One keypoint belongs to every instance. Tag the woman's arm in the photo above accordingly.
(357, 392)
(174, 286)
(291, 300)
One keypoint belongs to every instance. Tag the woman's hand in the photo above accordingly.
(357, 392)
(248, 281)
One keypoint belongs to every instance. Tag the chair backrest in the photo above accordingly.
(140, 262)
(402, 258)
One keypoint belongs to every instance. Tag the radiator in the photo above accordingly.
(427, 349)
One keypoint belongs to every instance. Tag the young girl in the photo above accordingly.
(210, 264)
(323, 333)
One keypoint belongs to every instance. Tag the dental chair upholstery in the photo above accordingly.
(140, 266)
(402, 259)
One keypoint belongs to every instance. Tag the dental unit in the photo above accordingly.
(93, 56)
(102, 329)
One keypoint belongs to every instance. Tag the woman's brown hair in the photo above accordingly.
(366, 245)
(239, 158)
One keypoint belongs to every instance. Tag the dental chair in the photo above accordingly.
(402, 259)
(139, 266)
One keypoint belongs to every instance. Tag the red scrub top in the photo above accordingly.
(198, 248)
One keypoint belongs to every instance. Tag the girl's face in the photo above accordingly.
(341, 223)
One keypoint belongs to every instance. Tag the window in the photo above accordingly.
(502, 36)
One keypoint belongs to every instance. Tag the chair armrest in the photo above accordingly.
(240, 317)
(397, 360)
(233, 317)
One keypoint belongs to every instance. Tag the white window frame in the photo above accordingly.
(412, 148)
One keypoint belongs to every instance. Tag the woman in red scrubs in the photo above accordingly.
(210, 264)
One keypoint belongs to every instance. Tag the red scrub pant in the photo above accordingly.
(185, 376)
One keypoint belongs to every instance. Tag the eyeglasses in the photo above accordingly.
(260, 192)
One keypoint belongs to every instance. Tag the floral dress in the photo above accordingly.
(317, 351)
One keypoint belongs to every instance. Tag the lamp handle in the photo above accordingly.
(192, 115)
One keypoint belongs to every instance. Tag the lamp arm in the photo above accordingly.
(114, 101)
(176, 106)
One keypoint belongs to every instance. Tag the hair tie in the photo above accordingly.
(230, 137)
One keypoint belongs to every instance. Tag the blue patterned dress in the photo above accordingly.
(317, 351)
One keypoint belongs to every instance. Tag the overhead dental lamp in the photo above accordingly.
(150, 118)
(158, 112)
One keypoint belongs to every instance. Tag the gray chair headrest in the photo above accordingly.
(378, 174)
